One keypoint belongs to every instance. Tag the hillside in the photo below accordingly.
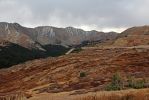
(133, 36)
(12, 54)
(88, 69)
(43, 41)
(63, 73)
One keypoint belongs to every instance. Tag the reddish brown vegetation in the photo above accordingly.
(63, 73)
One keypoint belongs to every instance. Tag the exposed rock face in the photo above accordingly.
(15, 33)
(41, 41)
(45, 35)
(69, 35)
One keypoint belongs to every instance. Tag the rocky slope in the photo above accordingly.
(43, 41)
(17, 34)
(69, 35)
(45, 35)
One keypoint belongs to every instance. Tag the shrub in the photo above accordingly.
(138, 84)
(116, 83)
(130, 82)
(82, 74)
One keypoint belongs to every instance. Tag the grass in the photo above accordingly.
(117, 83)
(132, 94)
(119, 95)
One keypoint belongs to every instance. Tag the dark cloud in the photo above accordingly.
(88, 14)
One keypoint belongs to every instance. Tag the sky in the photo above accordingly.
(101, 15)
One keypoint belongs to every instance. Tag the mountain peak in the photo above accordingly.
(46, 35)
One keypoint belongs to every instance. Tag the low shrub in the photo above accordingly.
(136, 84)
(82, 74)
(116, 83)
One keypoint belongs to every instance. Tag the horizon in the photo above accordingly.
(117, 30)
(88, 15)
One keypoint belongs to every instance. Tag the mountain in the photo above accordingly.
(87, 69)
(69, 35)
(17, 34)
(84, 71)
(48, 35)
(12, 54)
(133, 36)
(40, 42)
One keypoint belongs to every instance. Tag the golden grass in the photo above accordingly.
(13, 96)
(133, 94)
(121, 95)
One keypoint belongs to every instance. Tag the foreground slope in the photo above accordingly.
(63, 73)
(132, 94)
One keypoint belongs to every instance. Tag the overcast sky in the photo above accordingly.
(101, 15)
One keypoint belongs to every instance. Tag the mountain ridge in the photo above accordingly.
(45, 35)
(42, 41)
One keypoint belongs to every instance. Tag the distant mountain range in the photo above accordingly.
(45, 35)
(19, 44)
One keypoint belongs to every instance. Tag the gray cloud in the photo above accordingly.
(103, 15)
